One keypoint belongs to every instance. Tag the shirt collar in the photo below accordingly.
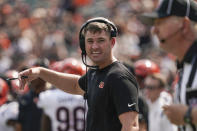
(188, 56)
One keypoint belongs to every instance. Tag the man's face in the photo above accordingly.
(169, 29)
(152, 89)
(98, 47)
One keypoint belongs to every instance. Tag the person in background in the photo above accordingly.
(14, 90)
(65, 111)
(142, 69)
(157, 97)
(4, 90)
(8, 109)
(29, 117)
(175, 26)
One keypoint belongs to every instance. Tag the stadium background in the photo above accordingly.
(37, 29)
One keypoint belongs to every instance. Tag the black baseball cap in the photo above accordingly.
(180, 8)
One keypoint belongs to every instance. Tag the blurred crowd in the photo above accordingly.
(47, 30)
(31, 29)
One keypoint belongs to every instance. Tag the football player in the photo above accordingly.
(65, 111)
(8, 109)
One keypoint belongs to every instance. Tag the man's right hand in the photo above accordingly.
(175, 113)
(30, 75)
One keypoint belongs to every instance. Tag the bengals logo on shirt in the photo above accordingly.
(101, 84)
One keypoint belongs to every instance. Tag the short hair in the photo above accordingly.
(95, 27)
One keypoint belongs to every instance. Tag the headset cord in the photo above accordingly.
(85, 95)
(83, 55)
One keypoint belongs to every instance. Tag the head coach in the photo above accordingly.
(110, 89)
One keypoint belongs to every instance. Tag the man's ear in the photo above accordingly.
(113, 41)
(186, 25)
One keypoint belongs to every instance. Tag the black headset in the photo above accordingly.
(100, 20)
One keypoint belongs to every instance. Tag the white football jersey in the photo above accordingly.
(158, 121)
(8, 111)
(66, 111)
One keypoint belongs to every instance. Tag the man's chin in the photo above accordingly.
(97, 61)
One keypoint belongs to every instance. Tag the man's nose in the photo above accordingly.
(95, 45)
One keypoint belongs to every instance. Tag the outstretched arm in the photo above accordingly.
(63, 81)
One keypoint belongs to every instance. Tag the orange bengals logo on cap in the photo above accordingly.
(101, 85)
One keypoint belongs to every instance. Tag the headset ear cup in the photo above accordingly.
(113, 34)
(82, 44)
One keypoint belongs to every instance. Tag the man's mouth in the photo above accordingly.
(95, 52)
